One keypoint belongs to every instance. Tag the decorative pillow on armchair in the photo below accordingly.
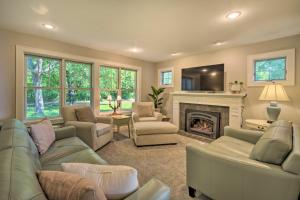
(68, 186)
(85, 114)
(145, 110)
(116, 181)
(43, 135)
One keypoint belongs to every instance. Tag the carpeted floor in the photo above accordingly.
(165, 162)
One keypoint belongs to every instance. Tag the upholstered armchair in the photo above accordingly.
(246, 164)
(144, 112)
(95, 132)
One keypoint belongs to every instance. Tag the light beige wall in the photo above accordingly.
(235, 60)
(8, 42)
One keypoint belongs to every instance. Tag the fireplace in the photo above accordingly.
(197, 120)
(203, 123)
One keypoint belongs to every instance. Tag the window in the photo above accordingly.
(270, 69)
(47, 80)
(42, 87)
(166, 77)
(278, 66)
(116, 81)
(78, 83)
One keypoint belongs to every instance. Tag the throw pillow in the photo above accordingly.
(43, 135)
(274, 145)
(117, 182)
(145, 110)
(67, 186)
(85, 114)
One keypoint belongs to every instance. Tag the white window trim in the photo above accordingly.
(20, 71)
(290, 67)
(160, 71)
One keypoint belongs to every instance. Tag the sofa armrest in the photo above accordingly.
(209, 171)
(243, 134)
(65, 132)
(152, 190)
(104, 119)
(85, 131)
(158, 116)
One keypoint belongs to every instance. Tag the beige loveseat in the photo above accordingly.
(93, 134)
(247, 165)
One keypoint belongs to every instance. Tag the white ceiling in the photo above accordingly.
(159, 27)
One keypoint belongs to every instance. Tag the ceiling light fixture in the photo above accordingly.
(176, 54)
(204, 70)
(233, 15)
(135, 50)
(48, 26)
(219, 43)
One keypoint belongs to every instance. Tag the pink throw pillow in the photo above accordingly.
(43, 135)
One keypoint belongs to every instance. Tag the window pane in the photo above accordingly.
(128, 79)
(76, 96)
(166, 78)
(127, 98)
(108, 78)
(78, 75)
(42, 103)
(270, 69)
(42, 71)
(104, 107)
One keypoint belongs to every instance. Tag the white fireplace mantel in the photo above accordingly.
(233, 101)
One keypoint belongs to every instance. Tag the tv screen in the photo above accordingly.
(204, 78)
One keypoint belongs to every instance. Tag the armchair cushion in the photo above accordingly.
(68, 113)
(85, 114)
(274, 145)
(145, 110)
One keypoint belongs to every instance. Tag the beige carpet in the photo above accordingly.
(165, 162)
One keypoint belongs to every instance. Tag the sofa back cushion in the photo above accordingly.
(19, 162)
(292, 162)
(85, 114)
(275, 144)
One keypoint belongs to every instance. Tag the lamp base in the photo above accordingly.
(273, 111)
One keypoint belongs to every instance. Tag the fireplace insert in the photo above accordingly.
(204, 123)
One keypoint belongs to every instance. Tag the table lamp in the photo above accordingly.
(273, 92)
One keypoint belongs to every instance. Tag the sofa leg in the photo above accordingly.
(192, 192)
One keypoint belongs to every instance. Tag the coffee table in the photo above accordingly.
(122, 120)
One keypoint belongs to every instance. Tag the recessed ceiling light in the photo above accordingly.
(135, 50)
(48, 26)
(219, 43)
(233, 15)
(204, 70)
(176, 54)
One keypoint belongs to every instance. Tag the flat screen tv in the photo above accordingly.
(205, 78)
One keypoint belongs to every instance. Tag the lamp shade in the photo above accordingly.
(274, 92)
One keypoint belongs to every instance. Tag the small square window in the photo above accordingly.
(270, 69)
(166, 78)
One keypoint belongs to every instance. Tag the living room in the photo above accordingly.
(173, 99)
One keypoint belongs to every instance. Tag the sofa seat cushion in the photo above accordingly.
(147, 119)
(149, 128)
(102, 129)
(232, 146)
(83, 156)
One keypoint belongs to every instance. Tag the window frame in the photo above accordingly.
(289, 54)
(21, 51)
(160, 78)
(119, 84)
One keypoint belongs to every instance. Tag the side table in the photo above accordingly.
(122, 120)
(257, 124)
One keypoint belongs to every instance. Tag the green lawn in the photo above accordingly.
(53, 110)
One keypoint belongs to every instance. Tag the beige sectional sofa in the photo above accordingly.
(247, 165)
